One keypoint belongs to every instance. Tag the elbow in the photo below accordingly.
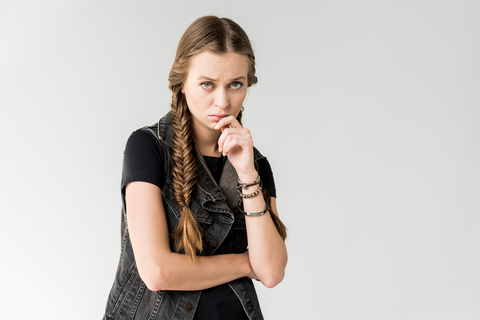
(154, 285)
(273, 280)
(272, 276)
(156, 278)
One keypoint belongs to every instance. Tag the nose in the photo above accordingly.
(221, 98)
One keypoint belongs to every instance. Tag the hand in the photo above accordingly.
(250, 274)
(237, 144)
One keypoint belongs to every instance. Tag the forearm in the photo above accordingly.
(158, 266)
(267, 251)
(173, 271)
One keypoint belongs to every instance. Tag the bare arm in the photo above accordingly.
(159, 267)
(268, 254)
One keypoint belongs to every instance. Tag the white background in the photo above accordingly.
(367, 110)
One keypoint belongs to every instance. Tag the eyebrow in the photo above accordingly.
(210, 79)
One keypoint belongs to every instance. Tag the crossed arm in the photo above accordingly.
(162, 269)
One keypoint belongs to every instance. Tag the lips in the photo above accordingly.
(217, 116)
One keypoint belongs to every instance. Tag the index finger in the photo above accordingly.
(228, 121)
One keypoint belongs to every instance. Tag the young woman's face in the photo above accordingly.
(215, 87)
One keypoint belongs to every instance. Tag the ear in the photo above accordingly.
(182, 89)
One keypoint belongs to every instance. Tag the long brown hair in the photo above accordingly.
(220, 36)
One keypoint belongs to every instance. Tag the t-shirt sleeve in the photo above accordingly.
(143, 160)
(266, 174)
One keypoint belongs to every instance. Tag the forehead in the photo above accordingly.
(229, 65)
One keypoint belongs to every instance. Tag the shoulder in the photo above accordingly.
(141, 139)
(265, 172)
(152, 134)
(257, 155)
(143, 159)
(262, 161)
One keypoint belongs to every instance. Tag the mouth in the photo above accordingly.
(217, 116)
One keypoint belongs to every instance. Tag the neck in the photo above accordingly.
(206, 140)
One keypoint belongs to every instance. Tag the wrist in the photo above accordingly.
(247, 266)
(248, 177)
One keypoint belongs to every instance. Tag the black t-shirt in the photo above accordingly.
(143, 161)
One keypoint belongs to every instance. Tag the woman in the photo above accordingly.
(192, 189)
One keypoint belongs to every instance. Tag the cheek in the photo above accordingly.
(238, 100)
(191, 95)
(198, 100)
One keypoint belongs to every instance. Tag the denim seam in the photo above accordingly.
(117, 297)
(124, 240)
(160, 296)
(137, 299)
(243, 305)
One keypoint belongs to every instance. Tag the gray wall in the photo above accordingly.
(367, 110)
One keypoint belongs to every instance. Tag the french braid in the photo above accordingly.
(188, 236)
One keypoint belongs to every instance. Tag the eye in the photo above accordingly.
(236, 85)
(206, 85)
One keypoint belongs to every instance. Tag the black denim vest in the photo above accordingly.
(216, 210)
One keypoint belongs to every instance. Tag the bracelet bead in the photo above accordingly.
(250, 195)
(242, 185)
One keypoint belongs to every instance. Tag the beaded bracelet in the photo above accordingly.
(256, 214)
(250, 195)
(242, 185)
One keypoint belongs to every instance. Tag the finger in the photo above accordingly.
(226, 141)
(237, 140)
(221, 139)
(229, 145)
(228, 121)
(243, 135)
(230, 133)
(225, 133)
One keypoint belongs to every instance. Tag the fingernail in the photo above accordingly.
(224, 154)
(216, 127)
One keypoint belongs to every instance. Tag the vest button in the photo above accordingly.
(188, 306)
(213, 243)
